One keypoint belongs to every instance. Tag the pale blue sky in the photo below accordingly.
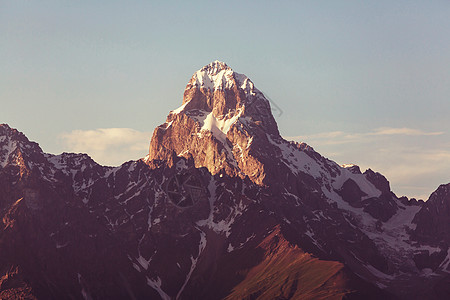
(339, 70)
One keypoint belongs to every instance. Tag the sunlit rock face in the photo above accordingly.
(225, 123)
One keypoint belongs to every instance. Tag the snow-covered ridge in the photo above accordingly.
(6, 150)
(215, 76)
(299, 161)
(12, 142)
(219, 76)
(347, 166)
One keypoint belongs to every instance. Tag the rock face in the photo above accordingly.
(225, 123)
(222, 207)
(433, 220)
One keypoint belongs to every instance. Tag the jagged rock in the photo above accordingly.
(433, 219)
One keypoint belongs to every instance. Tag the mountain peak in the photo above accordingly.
(225, 120)
(215, 67)
(14, 146)
(225, 95)
(215, 76)
(218, 89)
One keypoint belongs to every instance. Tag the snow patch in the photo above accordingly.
(9, 149)
(215, 76)
(194, 261)
(224, 225)
(59, 246)
(219, 126)
(297, 160)
(156, 284)
(84, 293)
(179, 109)
(136, 267)
(365, 185)
(445, 263)
(143, 262)
(378, 273)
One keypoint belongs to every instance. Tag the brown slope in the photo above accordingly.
(287, 272)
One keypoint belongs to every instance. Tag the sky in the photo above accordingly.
(362, 82)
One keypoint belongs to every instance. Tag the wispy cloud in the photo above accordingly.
(108, 146)
(420, 169)
(341, 137)
(402, 131)
(415, 161)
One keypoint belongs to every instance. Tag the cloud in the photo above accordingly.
(402, 131)
(341, 137)
(108, 146)
(415, 171)
(414, 161)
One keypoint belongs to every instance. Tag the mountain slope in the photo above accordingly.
(221, 207)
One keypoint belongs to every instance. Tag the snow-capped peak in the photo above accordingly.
(218, 76)
(206, 102)
(12, 141)
(214, 76)
(215, 67)
(205, 91)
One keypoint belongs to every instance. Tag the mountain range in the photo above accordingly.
(222, 207)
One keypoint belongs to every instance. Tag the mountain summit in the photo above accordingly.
(222, 123)
(216, 75)
(217, 89)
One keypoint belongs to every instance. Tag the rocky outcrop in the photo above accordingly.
(433, 219)
(228, 122)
